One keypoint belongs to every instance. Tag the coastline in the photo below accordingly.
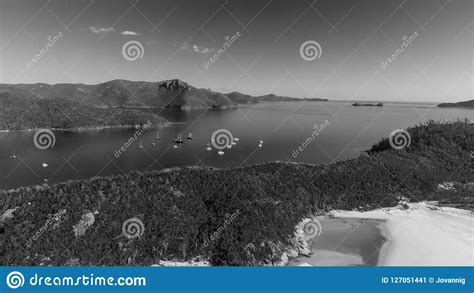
(422, 235)
(88, 128)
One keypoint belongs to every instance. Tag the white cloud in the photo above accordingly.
(129, 33)
(100, 30)
(202, 50)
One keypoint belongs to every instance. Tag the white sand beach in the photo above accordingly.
(423, 235)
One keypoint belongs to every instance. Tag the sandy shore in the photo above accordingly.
(423, 235)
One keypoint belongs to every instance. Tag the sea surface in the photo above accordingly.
(340, 132)
(345, 242)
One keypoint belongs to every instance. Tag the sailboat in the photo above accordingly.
(190, 136)
(178, 139)
(13, 156)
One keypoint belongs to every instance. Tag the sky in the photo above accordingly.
(82, 41)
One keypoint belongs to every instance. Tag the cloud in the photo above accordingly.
(129, 33)
(195, 48)
(100, 30)
(202, 50)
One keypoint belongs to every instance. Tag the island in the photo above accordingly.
(121, 93)
(367, 105)
(20, 112)
(465, 104)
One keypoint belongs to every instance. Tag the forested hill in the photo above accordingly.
(465, 104)
(184, 210)
(20, 112)
(125, 93)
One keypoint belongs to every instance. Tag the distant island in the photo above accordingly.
(466, 104)
(109, 104)
(367, 105)
(140, 94)
(183, 210)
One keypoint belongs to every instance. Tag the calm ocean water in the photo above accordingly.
(283, 127)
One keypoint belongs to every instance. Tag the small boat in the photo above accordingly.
(140, 145)
(260, 142)
(190, 136)
(152, 143)
(233, 143)
(175, 146)
(13, 156)
(157, 135)
(229, 146)
(236, 139)
(220, 153)
(208, 148)
(44, 165)
(178, 139)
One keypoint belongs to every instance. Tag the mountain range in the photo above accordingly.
(124, 93)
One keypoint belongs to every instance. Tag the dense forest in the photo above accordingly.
(21, 112)
(181, 208)
(173, 93)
